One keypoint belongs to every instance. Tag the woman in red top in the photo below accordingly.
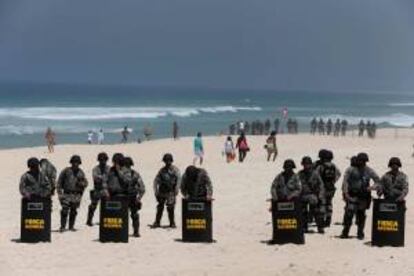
(242, 146)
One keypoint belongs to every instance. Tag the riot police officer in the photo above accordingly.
(394, 184)
(166, 186)
(34, 183)
(196, 184)
(286, 185)
(100, 182)
(71, 185)
(357, 194)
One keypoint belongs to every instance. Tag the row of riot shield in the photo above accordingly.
(197, 223)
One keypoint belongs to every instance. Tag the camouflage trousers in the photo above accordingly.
(311, 207)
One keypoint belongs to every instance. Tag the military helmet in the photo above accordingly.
(33, 162)
(329, 155)
(117, 157)
(306, 160)
(362, 157)
(395, 161)
(289, 164)
(102, 156)
(354, 160)
(128, 162)
(75, 159)
(323, 153)
(167, 158)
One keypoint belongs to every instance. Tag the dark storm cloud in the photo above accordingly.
(291, 44)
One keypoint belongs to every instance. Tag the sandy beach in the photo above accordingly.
(242, 222)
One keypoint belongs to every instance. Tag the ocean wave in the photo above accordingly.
(401, 104)
(113, 113)
(396, 119)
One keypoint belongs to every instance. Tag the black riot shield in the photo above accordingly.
(388, 223)
(287, 222)
(197, 222)
(35, 220)
(113, 226)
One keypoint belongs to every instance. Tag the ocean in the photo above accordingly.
(26, 110)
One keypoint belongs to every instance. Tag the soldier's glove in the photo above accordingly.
(27, 195)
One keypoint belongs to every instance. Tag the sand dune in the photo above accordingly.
(241, 221)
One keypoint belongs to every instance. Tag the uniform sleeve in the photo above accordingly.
(183, 186)
(96, 176)
(60, 182)
(22, 185)
(298, 186)
(82, 181)
(157, 182)
(337, 174)
(141, 186)
(273, 189)
(405, 186)
(374, 176)
(46, 185)
(345, 184)
(209, 185)
(178, 175)
(321, 187)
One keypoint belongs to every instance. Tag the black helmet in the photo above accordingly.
(395, 161)
(75, 159)
(306, 160)
(191, 173)
(43, 160)
(33, 162)
(354, 160)
(323, 154)
(128, 162)
(167, 158)
(103, 156)
(289, 164)
(329, 155)
(362, 157)
(117, 158)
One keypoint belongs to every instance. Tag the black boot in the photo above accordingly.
(158, 217)
(171, 217)
(361, 226)
(345, 233)
(328, 221)
(72, 220)
(135, 225)
(91, 212)
(63, 221)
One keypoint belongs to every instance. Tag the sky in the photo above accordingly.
(332, 45)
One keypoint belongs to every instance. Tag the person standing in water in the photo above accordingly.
(175, 130)
(50, 139)
(101, 137)
(198, 149)
(242, 146)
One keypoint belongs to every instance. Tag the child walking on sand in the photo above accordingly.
(229, 149)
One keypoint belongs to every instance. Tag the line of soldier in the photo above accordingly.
(370, 128)
(314, 187)
(263, 128)
(336, 129)
(120, 179)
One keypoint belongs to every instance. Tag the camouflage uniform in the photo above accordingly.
(357, 196)
(127, 182)
(35, 187)
(70, 188)
(330, 174)
(201, 189)
(50, 171)
(393, 187)
(166, 186)
(284, 190)
(312, 197)
(100, 184)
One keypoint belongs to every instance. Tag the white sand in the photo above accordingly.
(241, 220)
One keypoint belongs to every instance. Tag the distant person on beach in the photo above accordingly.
(344, 127)
(198, 148)
(313, 126)
(125, 133)
(361, 128)
(175, 130)
(242, 146)
(356, 189)
(148, 132)
(101, 137)
(196, 184)
(337, 127)
(34, 183)
(50, 137)
(166, 187)
(271, 146)
(100, 181)
(329, 126)
(71, 185)
(90, 137)
(321, 127)
(229, 149)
